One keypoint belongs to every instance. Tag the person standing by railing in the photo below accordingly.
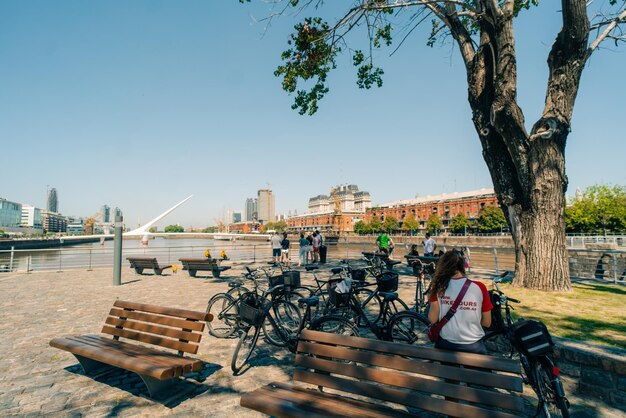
(429, 246)
(303, 256)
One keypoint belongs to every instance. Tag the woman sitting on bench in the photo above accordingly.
(464, 329)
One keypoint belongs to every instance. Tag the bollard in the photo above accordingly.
(11, 260)
(28, 265)
(60, 270)
(495, 259)
(89, 269)
(117, 252)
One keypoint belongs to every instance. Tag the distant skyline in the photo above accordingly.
(139, 104)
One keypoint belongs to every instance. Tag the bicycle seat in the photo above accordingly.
(235, 283)
(311, 268)
(336, 270)
(312, 301)
(388, 296)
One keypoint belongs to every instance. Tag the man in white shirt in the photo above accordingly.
(429, 246)
(276, 247)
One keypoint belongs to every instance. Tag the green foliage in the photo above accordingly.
(210, 229)
(433, 223)
(375, 225)
(601, 209)
(311, 56)
(390, 224)
(410, 223)
(361, 228)
(153, 229)
(280, 226)
(174, 228)
(459, 223)
(491, 219)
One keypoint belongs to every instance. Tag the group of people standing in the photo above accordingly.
(309, 247)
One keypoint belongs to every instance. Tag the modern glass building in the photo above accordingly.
(53, 201)
(32, 217)
(10, 214)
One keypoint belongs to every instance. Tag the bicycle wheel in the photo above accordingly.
(225, 313)
(409, 327)
(551, 395)
(236, 292)
(335, 324)
(245, 346)
(283, 324)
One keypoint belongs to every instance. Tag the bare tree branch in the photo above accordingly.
(610, 26)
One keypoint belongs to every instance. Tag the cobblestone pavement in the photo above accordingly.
(36, 379)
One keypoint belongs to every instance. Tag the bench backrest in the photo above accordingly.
(192, 263)
(409, 375)
(145, 262)
(177, 329)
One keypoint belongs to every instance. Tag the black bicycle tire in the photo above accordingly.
(317, 325)
(212, 326)
(557, 406)
(240, 290)
(284, 333)
(246, 333)
(418, 328)
(373, 305)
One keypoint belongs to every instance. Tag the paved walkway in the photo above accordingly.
(36, 379)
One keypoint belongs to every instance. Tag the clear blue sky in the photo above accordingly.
(140, 104)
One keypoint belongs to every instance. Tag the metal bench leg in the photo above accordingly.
(192, 273)
(156, 386)
(91, 366)
(158, 271)
(216, 273)
(138, 270)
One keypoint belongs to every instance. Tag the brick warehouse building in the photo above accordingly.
(325, 222)
(446, 206)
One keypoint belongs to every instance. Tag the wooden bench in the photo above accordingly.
(193, 265)
(142, 263)
(359, 377)
(177, 329)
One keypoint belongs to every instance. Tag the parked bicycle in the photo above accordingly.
(531, 342)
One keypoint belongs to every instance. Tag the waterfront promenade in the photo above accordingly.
(38, 380)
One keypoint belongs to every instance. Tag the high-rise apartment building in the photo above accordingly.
(53, 201)
(53, 222)
(252, 214)
(10, 215)
(105, 210)
(266, 206)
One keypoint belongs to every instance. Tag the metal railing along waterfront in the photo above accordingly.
(604, 265)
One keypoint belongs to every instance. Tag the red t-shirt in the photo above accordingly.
(464, 326)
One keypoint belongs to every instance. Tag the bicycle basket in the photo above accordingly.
(291, 278)
(358, 275)
(338, 300)
(251, 311)
(532, 337)
(387, 282)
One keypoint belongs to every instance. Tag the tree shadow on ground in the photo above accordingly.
(592, 330)
(187, 387)
(600, 288)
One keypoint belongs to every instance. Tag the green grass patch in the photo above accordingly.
(592, 312)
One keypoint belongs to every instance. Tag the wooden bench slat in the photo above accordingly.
(154, 329)
(156, 319)
(151, 339)
(143, 354)
(278, 408)
(381, 409)
(467, 359)
(403, 397)
(327, 406)
(117, 358)
(413, 382)
(480, 377)
(180, 313)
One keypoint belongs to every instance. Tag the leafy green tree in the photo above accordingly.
(521, 162)
(375, 225)
(361, 228)
(459, 223)
(174, 228)
(433, 223)
(601, 209)
(153, 229)
(210, 229)
(410, 223)
(390, 224)
(491, 219)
